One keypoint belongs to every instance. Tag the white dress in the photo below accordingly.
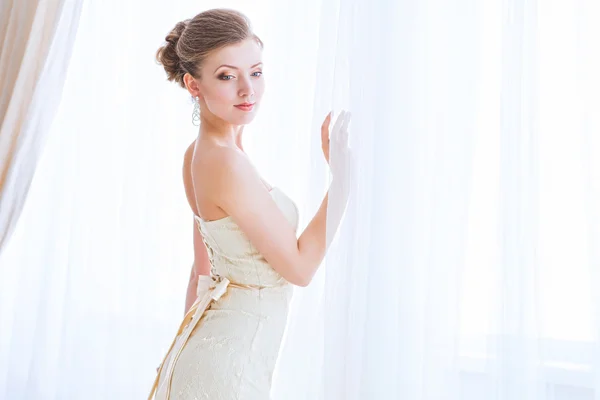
(228, 343)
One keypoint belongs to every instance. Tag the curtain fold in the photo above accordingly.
(37, 38)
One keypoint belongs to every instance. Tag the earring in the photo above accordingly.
(196, 112)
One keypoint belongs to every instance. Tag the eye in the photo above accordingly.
(224, 77)
(257, 73)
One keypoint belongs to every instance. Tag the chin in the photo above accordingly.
(244, 119)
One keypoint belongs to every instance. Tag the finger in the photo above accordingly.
(326, 122)
(325, 128)
(341, 136)
(338, 124)
(344, 129)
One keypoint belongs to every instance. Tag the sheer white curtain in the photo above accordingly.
(466, 267)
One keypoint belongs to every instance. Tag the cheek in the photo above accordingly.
(220, 94)
(219, 99)
(259, 88)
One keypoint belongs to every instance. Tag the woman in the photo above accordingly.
(247, 254)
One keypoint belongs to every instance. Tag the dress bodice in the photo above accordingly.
(231, 253)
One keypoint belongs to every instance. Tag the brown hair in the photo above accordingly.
(188, 44)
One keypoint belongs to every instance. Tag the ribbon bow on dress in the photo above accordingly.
(209, 289)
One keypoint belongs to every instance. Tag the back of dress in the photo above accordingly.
(228, 344)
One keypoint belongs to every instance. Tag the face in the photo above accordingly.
(231, 84)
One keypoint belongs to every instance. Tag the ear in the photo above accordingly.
(192, 85)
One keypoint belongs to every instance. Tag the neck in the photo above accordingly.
(221, 132)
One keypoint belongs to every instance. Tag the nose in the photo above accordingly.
(246, 90)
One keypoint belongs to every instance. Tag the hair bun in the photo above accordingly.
(168, 57)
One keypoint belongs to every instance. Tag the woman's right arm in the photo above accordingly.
(237, 188)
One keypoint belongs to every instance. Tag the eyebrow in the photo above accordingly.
(232, 67)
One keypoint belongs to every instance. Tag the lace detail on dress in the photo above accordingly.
(228, 344)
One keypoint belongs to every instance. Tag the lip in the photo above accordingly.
(245, 106)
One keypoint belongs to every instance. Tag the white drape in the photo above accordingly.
(36, 39)
(466, 267)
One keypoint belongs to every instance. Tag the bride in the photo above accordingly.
(247, 252)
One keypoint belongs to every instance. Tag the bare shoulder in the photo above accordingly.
(187, 164)
(188, 182)
(221, 168)
(189, 155)
(231, 182)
